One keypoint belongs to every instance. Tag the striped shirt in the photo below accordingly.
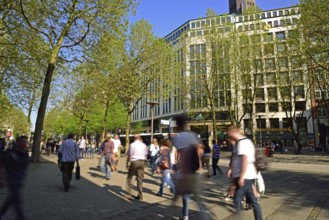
(216, 151)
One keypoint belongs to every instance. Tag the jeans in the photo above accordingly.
(107, 168)
(186, 201)
(166, 178)
(215, 167)
(153, 163)
(248, 191)
(67, 168)
(13, 198)
(91, 152)
(82, 152)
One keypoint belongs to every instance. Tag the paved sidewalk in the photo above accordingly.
(293, 191)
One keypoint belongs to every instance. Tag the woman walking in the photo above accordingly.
(154, 151)
(165, 167)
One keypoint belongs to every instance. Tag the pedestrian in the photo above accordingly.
(117, 150)
(234, 160)
(165, 167)
(48, 146)
(154, 153)
(244, 171)
(68, 154)
(92, 149)
(135, 164)
(215, 158)
(82, 146)
(206, 158)
(16, 162)
(107, 159)
(189, 150)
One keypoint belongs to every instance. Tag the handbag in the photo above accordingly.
(164, 163)
(77, 172)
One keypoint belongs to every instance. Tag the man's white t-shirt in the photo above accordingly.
(82, 143)
(246, 147)
(117, 144)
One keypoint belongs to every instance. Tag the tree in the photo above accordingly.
(67, 27)
(145, 71)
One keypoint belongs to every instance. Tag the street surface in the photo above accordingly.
(297, 187)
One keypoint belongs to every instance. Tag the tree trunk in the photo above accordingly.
(42, 112)
(214, 128)
(105, 120)
(127, 131)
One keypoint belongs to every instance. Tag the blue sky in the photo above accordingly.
(166, 15)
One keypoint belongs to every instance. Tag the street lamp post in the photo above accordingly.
(152, 104)
(86, 128)
(260, 130)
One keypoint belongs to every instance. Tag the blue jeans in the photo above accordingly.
(153, 164)
(105, 167)
(246, 190)
(186, 201)
(91, 152)
(166, 178)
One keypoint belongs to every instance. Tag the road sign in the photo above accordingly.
(168, 122)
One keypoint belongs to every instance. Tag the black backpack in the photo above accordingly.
(261, 162)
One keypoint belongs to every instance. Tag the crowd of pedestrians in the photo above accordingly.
(175, 159)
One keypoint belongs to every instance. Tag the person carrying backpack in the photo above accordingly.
(189, 150)
(244, 172)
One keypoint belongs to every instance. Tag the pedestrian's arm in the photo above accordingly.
(244, 160)
(128, 157)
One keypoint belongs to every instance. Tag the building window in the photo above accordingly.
(261, 123)
(287, 122)
(272, 94)
(259, 79)
(269, 15)
(274, 123)
(322, 112)
(300, 106)
(268, 37)
(276, 23)
(269, 64)
(259, 93)
(240, 19)
(269, 49)
(299, 92)
(286, 106)
(263, 16)
(281, 35)
(281, 48)
(275, 14)
(247, 123)
(283, 62)
(197, 24)
(284, 78)
(280, 13)
(273, 107)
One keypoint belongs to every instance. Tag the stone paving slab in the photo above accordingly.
(291, 193)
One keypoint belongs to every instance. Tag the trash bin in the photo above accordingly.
(268, 151)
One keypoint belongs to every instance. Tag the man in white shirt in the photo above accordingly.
(135, 164)
(245, 171)
(82, 146)
(116, 150)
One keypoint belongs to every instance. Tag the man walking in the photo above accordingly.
(82, 147)
(68, 154)
(108, 157)
(16, 161)
(116, 151)
(189, 150)
(244, 171)
(135, 164)
(215, 158)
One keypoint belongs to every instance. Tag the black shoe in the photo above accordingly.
(208, 176)
(159, 194)
(138, 198)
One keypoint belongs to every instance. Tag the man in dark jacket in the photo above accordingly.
(16, 161)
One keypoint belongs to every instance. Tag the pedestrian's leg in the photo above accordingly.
(70, 170)
(9, 200)
(140, 176)
(252, 199)
(131, 173)
(186, 201)
(66, 176)
(161, 185)
(208, 165)
(214, 166)
(18, 202)
(238, 195)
